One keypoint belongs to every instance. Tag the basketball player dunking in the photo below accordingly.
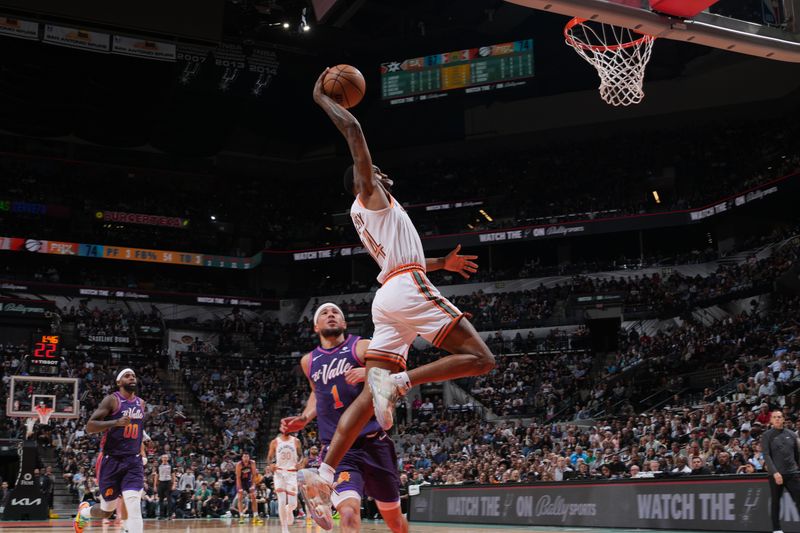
(284, 458)
(245, 472)
(120, 469)
(405, 306)
(335, 372)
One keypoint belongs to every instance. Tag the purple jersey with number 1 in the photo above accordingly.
(119, 466)
(370, 465)
(327, 369)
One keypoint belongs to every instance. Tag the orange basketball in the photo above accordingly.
(345, 84)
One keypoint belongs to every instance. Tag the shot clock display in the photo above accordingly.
(46, 347)
(45, 358)
(474, 70)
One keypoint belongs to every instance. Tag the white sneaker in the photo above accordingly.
(778, 531)
(385, 393)
(317, 493)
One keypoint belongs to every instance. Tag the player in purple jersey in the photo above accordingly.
(335, 371)
(120, 468)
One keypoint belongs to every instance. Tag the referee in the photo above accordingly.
(164, 486)
(781, 449)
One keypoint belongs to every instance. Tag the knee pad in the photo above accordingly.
(292, 501)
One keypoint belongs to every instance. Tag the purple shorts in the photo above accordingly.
(370, 467)
(116, 474)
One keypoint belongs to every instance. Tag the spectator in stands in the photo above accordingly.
(698, 467)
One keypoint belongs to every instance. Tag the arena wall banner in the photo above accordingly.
(141, 218)
(124, 253)
(11, 307)
(109, 339)
(21, 29)
(144, 48)
(734, 503)
(76, 38)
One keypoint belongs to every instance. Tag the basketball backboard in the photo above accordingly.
(763, 28)
(27, 392)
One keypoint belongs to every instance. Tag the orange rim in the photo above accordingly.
(598, 47)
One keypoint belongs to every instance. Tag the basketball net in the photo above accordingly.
(44, 413)
(619, 54)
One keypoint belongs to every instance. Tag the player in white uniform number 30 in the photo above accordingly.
(406, 305)
(284, 460)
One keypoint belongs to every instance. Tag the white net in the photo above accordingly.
(619, 54)
(44, 413)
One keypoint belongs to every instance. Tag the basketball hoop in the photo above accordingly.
(44, 413)
(619, 54)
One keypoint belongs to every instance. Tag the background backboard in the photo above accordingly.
(26, 392)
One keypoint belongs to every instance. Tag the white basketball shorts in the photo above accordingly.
(405, 306)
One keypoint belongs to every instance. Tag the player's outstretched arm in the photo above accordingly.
(363, 172)
(96, 424)
(461, 264)
(292, 424)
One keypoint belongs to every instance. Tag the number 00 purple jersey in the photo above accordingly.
(327, 369)
(119, 466)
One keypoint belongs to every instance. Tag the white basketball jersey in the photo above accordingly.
(286, 453)
(389, 236)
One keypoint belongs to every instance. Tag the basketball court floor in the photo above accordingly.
(272, 526)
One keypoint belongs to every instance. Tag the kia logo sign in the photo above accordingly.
(26, 501)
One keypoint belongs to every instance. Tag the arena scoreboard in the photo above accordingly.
(472, 70)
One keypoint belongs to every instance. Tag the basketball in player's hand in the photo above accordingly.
(345, 84)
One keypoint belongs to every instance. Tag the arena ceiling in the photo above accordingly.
(114, 101)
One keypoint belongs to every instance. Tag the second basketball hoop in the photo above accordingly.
(619, 54)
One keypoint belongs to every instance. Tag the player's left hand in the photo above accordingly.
(462, 264)
(355, 375)
(293, 424)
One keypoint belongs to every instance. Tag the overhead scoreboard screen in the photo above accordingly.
(473, 70)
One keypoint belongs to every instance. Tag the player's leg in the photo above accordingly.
(354, 419)
(291, 505)
(282, 510)
(132, 485)
(350, 490)
(109, 476)
(122, 514)
(350, 515)
(254, 506)
(133, 502)
(382, 481)
(442, 324)
(290, 484)
(470, 356)
(86, 512)
(393, 516)
(240, 504)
